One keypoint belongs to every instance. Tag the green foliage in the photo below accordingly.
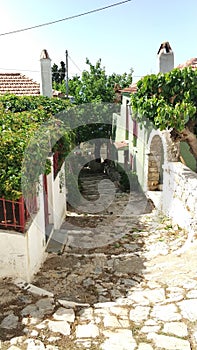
(48, 105)
(20, 119)
(168, 100)
(95, 85)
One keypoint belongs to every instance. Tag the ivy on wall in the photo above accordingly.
(20, 119)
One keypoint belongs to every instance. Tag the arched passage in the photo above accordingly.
(155, 163)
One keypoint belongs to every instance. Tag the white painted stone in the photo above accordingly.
(105, 305)
(139, 313)
(189, 309)
(166, 313)
(63, 314)
(16, 340)
(154, 295)
(138, 297)
(150, 322)
(71, 304)
(121, 339)
(52, 347)
(34, 333)
(176, 328)
(38, 291)
(195, 336)
(111, 321)
(53, 339)
(86, 314)
(42, 325)
(153, 284)
(87, 331)
(13, 347)
(150, 329)
(9, 322)
(169, 343)
(192, 294)
(59, 327)
(144, 346)
(34, 344)
(119, 311)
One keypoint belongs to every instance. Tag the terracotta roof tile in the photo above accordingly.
(131, 89)
(18, 84)
(192, 62)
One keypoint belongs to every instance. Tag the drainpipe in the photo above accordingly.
(46, 75)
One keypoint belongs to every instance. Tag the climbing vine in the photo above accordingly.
(169, 101)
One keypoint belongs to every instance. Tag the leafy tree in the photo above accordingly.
(95, 86)
(58, 74)
(169, 101)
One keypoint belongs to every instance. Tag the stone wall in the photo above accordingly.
(180, 195)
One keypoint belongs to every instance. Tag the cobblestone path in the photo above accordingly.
(118, 285)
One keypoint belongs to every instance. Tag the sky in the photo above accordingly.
(124, 37)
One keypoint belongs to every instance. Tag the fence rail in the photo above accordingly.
(14, 214)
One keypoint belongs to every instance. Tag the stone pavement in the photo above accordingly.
(133, 293)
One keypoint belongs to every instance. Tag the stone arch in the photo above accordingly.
(160, 149)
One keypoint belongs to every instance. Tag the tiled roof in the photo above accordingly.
(192, 62)
(131, 89)
(18, 84)
(121, 145)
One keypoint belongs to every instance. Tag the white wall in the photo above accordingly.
(59, 198)
(56, 196)
(180, 194)
(139, 153)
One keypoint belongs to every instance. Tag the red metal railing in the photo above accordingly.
(14, 214)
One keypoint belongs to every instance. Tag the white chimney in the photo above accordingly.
(165, 57)
(46, 75)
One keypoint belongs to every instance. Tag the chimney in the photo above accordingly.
(166, 58)
(46, 76)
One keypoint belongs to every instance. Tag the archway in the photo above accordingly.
(155, 163)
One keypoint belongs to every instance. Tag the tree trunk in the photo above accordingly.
(191, 139)
(188, 136)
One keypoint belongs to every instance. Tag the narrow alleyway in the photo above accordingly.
(117, 284)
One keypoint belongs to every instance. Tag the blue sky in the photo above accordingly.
(123, 37)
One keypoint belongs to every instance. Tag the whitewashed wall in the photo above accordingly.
(180, 194)
(21, 255)
(56, 196)
(59, 198)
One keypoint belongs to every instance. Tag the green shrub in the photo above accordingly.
(128, 179)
